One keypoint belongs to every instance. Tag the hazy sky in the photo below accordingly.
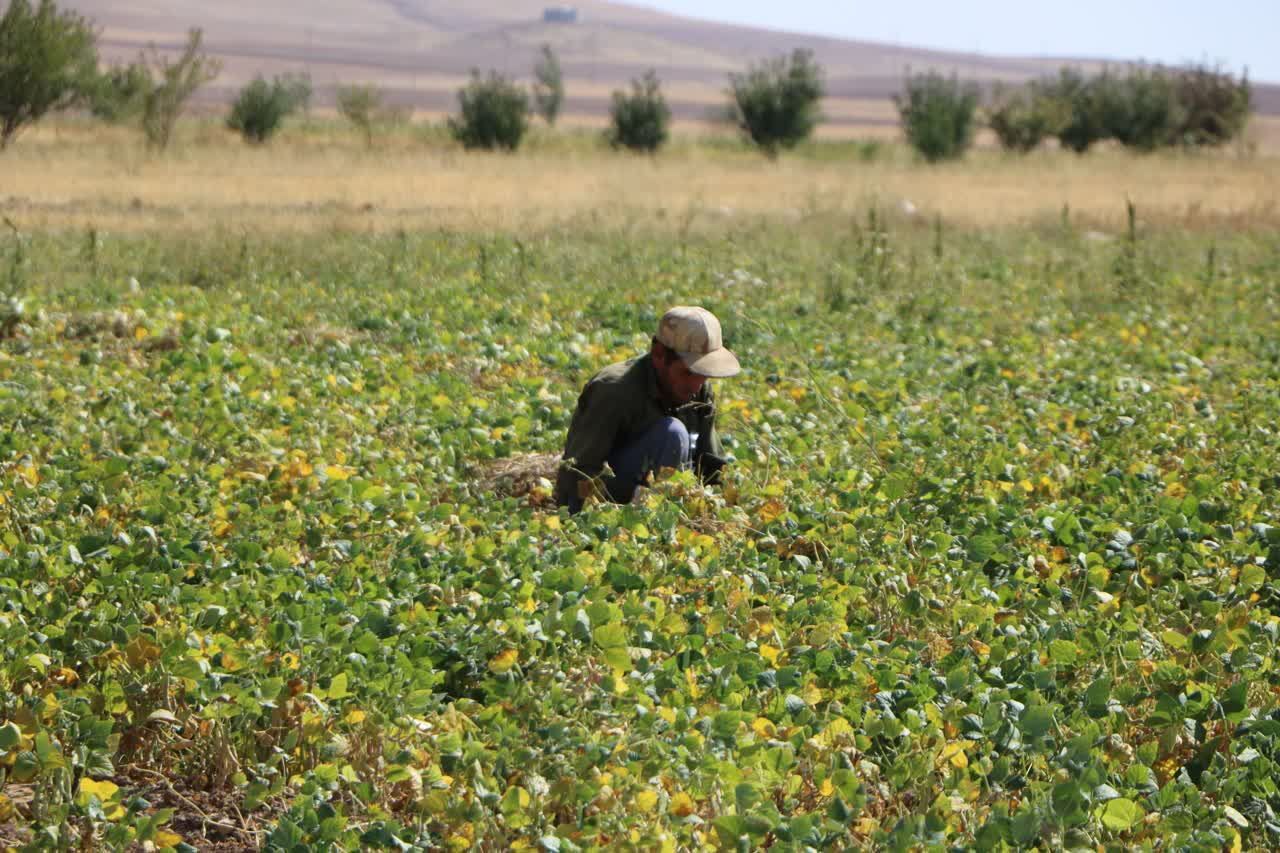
(1237, 33)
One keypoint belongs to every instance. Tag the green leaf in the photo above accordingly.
(10, 736)
(611, 636)
(1097, 696)
(1036, 721)
(1063, 652)
(338, 687)
(983, 547)
(1025, 826)
(1120, 814)
(895, 486)
(1252, 576)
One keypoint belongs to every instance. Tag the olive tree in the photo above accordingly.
(938, 115)
(775, 103)
(173, 84)
(638, 120)
(261, 107)
(48, 62)
(119, 93)
(366, 107)
(493, 113)
(548, 86)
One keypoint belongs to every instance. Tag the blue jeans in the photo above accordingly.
(666, 444)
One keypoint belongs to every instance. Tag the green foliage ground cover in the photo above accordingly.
(995, 565)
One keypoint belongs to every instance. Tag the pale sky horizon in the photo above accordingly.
(1237, 34)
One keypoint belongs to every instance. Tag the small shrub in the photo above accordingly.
(775, 103)
(494, 113)
(261, 108)
(1023, 118)
(118, 95)
(365, 107)
(548, 87)
(938, 115)
(639, 120)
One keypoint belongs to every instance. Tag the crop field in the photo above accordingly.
(995, 564)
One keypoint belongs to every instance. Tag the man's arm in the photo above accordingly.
(592, 433)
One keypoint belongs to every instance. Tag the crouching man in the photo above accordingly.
(654, 411)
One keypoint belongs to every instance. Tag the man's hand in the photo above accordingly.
(709, 466)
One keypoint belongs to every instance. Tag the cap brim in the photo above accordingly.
(716, 364)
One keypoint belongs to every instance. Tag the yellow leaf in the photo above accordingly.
(29, 474)
(104, 791)
(503, 661)
(7, 810)
(771, 509)
(668, 714)
(764, 727)
(141, 651)
(64, 676)
(167, 839)
(811, 694)
(692, 681)
(337, 472)
(646, 800)
(682, 805)
(715, 623)
(355, 716)
(769, 653)
(954, 754)
(827, 788)
(839, 726)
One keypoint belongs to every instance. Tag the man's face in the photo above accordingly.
(679, 384)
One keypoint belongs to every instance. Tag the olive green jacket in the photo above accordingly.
(616, 406)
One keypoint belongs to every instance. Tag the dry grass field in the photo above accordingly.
(71, 175)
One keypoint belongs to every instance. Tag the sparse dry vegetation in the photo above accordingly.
(72, 174)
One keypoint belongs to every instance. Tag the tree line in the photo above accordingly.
(49, 62)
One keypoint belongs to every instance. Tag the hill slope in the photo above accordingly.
(422, 49)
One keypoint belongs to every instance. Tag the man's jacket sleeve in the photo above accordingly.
(592, 433)
(708, 455)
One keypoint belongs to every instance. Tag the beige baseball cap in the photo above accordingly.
(695, 334)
